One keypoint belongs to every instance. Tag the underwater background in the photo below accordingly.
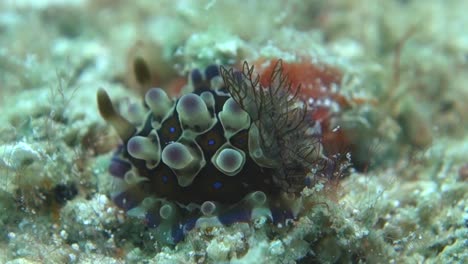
(386, 83)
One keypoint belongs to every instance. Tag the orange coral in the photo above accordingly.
(318, 82)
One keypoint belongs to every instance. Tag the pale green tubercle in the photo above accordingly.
(177, 156)
(194, 114)
(233, 118)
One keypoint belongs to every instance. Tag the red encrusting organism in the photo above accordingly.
(319, 87)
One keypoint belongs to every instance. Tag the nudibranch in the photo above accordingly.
(228, 151)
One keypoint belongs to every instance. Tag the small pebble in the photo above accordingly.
(463, 172)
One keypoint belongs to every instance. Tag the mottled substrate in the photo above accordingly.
(412, 210)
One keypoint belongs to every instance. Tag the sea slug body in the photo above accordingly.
(229, 151)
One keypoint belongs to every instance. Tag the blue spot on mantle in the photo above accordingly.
(217, 185)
